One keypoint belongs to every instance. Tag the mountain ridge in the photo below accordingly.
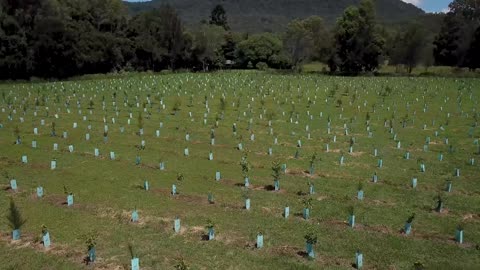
(273, 15)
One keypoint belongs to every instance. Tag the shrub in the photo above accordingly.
(261, 66)
(311, 237)
(14, 216)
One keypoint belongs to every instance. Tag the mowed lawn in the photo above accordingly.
(437, 112)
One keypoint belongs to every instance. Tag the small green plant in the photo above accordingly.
(307, 203)
(14, 217)
(339, 102)
(180, 177)
(181, 264)
(210, 224)
(351, 210)
(245, 166)
(440, 201)
(418, 266)
(44, 229)
(360, 186)
(131, 251)
(311, 237)
(276, 170)
(177, 104)
(91, 241)
(66, 191)
(223, 103)
(313, 159)
(411, 218)
(460, 226)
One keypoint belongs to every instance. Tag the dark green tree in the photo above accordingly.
(207, 46)
(409, 45)
(359, 44)
(452, 44)
(266, 48)
(17, 21)
(219, 17)
(298, 42)
(159, 39)
(473, 54)
(322, 38)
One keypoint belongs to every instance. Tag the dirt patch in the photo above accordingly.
(377, 228)
(286, 250)
(191, 199)
(267, 210)
(43, 165)
(106, 212)
(196, 230)
(470, 216)
(294, 172)
(303, 173)
(231, 182)
(76, 256)
(149, 166)
(5, 161)
(61, 201)
(444, 212)
(381, 202)
(356, 154)
(231, 238)
(8, 189)
(161, 191)
(31, 241)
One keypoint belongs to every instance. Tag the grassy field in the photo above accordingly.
(299, 107)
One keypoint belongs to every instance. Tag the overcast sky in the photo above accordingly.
(427, 5)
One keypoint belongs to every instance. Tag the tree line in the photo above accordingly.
(63, 38)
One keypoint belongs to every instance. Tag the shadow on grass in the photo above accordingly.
(303, 254)
(86, 260)
(300, 215)
(139, 187)
(269, 187)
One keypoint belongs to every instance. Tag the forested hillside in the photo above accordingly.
(274, 15)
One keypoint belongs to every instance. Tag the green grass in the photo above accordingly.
(107, 191)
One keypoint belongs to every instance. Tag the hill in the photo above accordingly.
(274, 15)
